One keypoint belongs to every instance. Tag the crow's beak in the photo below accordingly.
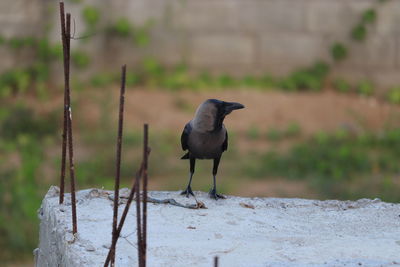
(230, 106)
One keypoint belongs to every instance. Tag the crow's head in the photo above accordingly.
(211, 114)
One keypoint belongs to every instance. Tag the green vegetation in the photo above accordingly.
(274, 134)
(80, 59)
(91, 16)
(122, 27)
(369, 16)
(21, 187)
(103, 80)
(359, 32)
(253, 133)
(394, 95)
(365, 88)
(338, 51)
(141, 37)
(311, 78)
(31, 77)
(183, 105)
(342, 85)
(293, 130)
(339, 165)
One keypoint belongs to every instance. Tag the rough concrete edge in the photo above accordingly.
(57, 240)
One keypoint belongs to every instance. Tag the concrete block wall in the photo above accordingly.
(230, 36)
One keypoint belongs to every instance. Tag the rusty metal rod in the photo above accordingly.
(145, 182)
(124, 213)
(139, 220)
(64, 134)
(69, 128)
(118, 161)
(216, 261)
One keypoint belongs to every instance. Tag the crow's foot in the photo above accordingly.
(213, 194)
(187, 192)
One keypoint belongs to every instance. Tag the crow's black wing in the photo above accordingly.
(185, 136)
(225, 144)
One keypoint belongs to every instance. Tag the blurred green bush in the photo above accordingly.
(339, 165)
(21, 158)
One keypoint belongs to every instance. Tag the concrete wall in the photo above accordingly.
(235, 36)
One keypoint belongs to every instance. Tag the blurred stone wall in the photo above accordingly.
(233, 36)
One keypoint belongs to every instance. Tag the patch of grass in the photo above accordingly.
(394, 95)
(268, 81)
(365, 88)
(333, 162)
(226, 81)
(250, 81)
(307, 79)
(16, 43)
(47, 52)
(80, 59)
(132, 79)
(253, 133)
(102, 80)
(24, 136)
(183, 105)
(342, 85)
(17, 80)
(293, 130)
(19, 198)
(23, 121)
(176, 79)
(152, 67)
(141, 37)
(274, 134)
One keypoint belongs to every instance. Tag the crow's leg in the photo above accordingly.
(188, 190)
(213, 191)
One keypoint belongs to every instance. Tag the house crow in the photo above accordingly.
(205, 137)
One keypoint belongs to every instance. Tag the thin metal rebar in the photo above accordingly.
(69, 128)
(124, 214)
(118, 161)
(145, 182)
(216, 261)
(139, 221)
(64, 134)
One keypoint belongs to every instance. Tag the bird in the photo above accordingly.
(205, 137)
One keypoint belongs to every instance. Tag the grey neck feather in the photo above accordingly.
(204, 119)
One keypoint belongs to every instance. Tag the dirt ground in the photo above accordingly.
(313, 111)
(166, 110)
